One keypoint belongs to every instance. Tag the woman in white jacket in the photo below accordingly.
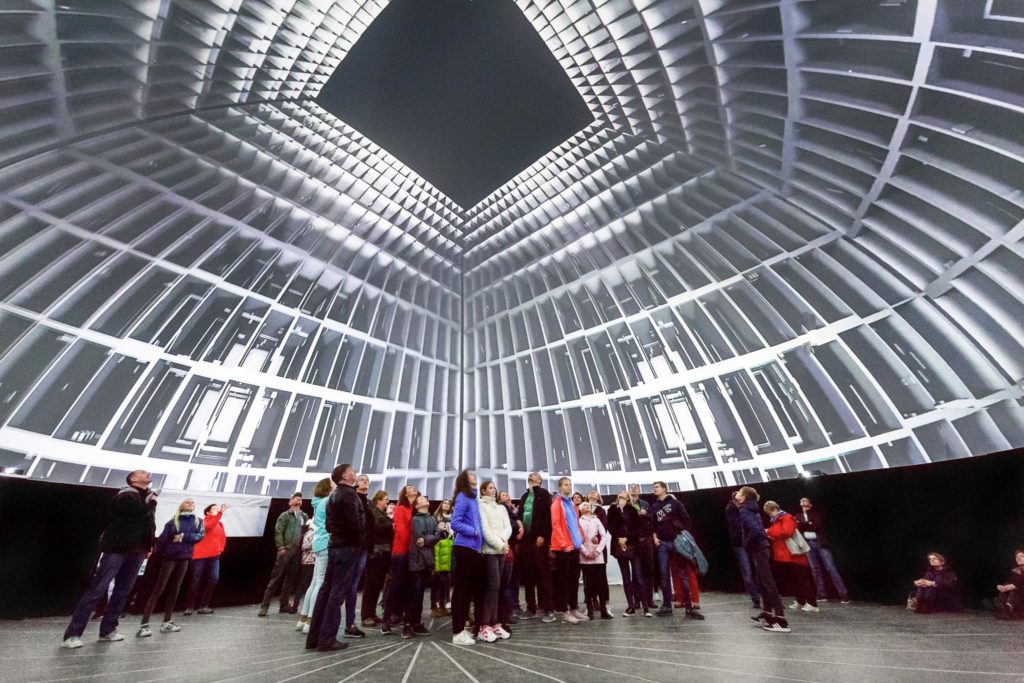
(595, 580)
(496, 529)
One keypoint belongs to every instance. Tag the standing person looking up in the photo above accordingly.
(307, 567)
(535, 514)
(626, 534)
(362, 488)
(176, 542)
(379, 563)
(597, 509)
(288, 537)
(508, 599)
(670, 517)
(421, 560)
(758, 547)
(206, 559)
(346, 525)
(125, 544)
(441, 583)
(645, 548)
(494, 524)
(566, 541)
(781, 529)
(811, 524)
(595, 578)
(321, 492)
(397, 595)
(732, 518)
(468, 580)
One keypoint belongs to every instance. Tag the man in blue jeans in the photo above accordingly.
(670, 517)
(362, 489)
(732, 517)
(812, 526)
(126, 543)
(346, 523)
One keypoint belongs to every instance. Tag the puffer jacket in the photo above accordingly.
(591, 528)
(495, 525)
(466, 522)
(191, 530)
(443, 555)
(752, 526)
(213, 541)
(782, 527)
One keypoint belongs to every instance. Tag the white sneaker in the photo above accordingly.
(568, 618)
(487, 635)
(500, 631)
(143, 632)
(795, 605)
(305, 628)
(809, 608)
(580, 616)
(112, 637)
(71, 643)
(169, 627)
(299, 625)
(463, 638)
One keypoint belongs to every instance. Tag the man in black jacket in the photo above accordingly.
(126, 543)
(535, 514)
(812, 526)
(758, 547)
(670, 517)
(732, 518)
(346, 523)
(362, 489)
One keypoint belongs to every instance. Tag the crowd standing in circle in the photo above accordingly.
(474, 552)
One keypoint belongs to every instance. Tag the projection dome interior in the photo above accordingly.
(789, 241)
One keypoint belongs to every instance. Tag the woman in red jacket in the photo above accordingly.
(396, 594)
(206, 559)
(795, 565)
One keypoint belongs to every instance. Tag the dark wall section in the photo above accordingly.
(881, 523)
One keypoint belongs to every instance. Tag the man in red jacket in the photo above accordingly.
(206, 559)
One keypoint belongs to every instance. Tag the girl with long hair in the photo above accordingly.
(497, 529)
(379, 563)
(397, 596)
(176, 542)
(468, 565)
(321, 492)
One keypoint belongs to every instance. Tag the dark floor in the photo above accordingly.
(842, 643)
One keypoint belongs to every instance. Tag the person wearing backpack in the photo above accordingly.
(786, 552)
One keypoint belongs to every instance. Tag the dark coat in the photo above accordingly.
(732, 518)
(944, 596)
(423, 526)
(670, 517)
(368, 522)
(345, 518)
(814, 523)
(383, 530)
(131, 526)
(752, 525)
(191, 530)
(541, 522)
(625, 523)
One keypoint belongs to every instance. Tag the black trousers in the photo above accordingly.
(595, 585)
(536, 566)
(468, 585)
(566, 581)
(285, 573)
(167, 581)
(770, 599)
(801, 581)
(396, 598)
(376, 573)
(417, 582)
(440, 590)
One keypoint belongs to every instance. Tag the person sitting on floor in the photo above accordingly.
(938, 590)
(1010, 601)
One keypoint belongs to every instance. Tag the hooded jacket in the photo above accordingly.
(670, 517)
(191, 530)
(214, 538)
(466, 523)
(495, 525)
(591, 528)
(754, 537)
(131, 525)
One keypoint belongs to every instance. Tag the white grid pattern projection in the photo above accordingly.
(791, 240)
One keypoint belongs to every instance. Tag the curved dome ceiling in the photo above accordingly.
(789, 241)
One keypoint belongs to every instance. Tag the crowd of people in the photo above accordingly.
(474, 552)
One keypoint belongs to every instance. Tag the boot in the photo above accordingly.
(605, 614)
(590, 608)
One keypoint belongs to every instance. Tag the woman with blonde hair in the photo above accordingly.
(496, 529)
(321, 492)
(175, 544)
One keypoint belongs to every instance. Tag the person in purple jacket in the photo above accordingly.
(468, 577)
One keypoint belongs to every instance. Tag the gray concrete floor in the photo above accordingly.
(858, 642)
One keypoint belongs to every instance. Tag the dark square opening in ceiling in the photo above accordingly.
(464, 92)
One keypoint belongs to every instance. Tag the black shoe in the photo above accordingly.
(647, 613)
(420, 630)
(777, 625)
(762, 618)
(605, 614)
(385, 629)
(665, 611)
(630, 612)
(694, 614)
(354, 632)
(407, 632)
(332, 647)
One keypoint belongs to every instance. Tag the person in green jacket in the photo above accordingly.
(440, 587)
(288, 532)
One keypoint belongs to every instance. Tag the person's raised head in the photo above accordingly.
(504, 498)
(1018, 557)
(323, 488)
(465, 483)
(534, 479)
(594, 496)
(408, 496)
(748, 493)
(585, 508)
(622, 500)
(660, 489)
(344, 474)
(805, 503)
(422, 504)
(211, 509)
(736, 498)
(936, 560)
(295, 502)
(139, 478)
(362, 484)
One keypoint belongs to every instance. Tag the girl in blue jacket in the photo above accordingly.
(468, 578)
(175, 544)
